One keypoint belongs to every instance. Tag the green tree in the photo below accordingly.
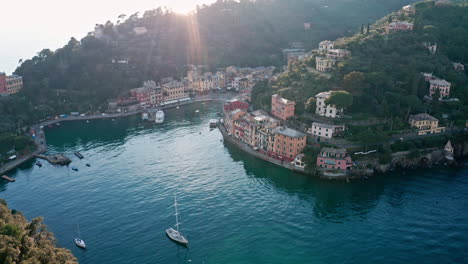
(341, 99)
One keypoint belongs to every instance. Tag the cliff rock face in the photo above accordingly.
(23, 242)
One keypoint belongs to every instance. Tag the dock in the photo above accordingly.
(78, 154)
(57, 159)
(8, 178)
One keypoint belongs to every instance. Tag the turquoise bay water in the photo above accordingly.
(233, 208)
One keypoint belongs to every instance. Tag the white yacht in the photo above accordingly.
(159, 117)
(80, 243)
(175, 234)
(145, 116)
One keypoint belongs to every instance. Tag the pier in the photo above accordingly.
(8, 178)
(78, 154)
(57, 159)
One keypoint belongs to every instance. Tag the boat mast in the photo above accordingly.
(176, 213)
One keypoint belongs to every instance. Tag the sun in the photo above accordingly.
(182, 7)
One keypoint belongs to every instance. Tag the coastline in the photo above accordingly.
(40, 139)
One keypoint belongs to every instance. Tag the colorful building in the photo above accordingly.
(174, 90)
(282, 108)
(14, 84)
(329, 158)
(426, 124)
(286, 143)
(235, 104)
(230, 117)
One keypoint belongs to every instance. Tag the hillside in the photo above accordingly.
(23, 242)
(383, 72)
(81, 75)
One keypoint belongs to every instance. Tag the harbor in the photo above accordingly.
(224, 194)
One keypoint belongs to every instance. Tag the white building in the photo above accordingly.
(324, 64)
(323, 109)
(326, 131)
(337, 54)
(140, 30)
(326, 45)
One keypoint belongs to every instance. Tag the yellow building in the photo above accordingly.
(426, 124)
(14, 84)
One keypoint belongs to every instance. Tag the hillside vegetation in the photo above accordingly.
(383, 72)
(81, 76)
(28, 242)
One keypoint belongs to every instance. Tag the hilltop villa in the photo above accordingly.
(323, 109)
(326, 45)
(324, 64)
(399, 26)
(426, 124)
(439, 84)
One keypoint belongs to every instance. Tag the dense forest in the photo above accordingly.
(81, 75)
(28, 242)
(383, 73)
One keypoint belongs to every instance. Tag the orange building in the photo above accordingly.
(286, 143)
(282, 108)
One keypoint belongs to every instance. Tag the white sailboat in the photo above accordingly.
(176, 235)
(159, 117)
(78, 241)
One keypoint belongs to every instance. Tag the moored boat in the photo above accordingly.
(159, 117)
(175, 234)
(80, 243)
(38, 163)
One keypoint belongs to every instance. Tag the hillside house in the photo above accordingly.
(326, 131)
(426, 124)
(326, 45)
(324, 64)
(399, 26)
(323, 109)
(439, 84)
(337, 54)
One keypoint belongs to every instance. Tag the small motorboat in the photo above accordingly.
(177, 107)
(159, 117)
(38, 163)
(88, 165)
(74, 168)
(80, 243)
(197, 111)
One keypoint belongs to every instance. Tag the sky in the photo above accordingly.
(28, 26)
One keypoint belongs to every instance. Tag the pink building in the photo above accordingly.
(334, 159)
(234, 104)
(142, 94)
(282, 108)
(439, 84)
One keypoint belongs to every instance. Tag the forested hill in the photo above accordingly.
(242, 33)
(383, 72)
